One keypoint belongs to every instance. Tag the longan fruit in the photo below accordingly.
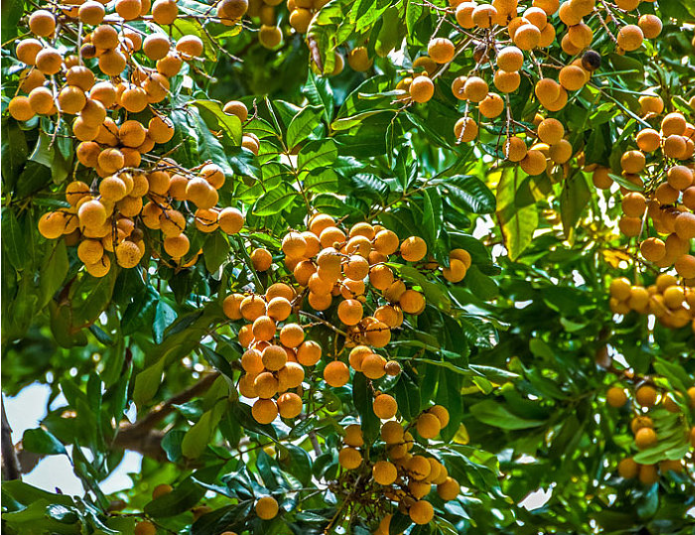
(634, 204)
(128, 9)
(384, 472)
(384, 406)
(269, 36)
(483, 16)
(426, 64)
(112, 63)
(628, 468)
(645, 438)
(308, 353)
(350, 311)
(49, 61)
(336, 374)
(373, 366)
(100, 269)
(441, 50)
(413, 249)
(289, 405)
(465, 130)
(418, 467)
(164, 12)
(506, 82)
(650, 25)
(551, 131)
(510, 59)
(616, 397)
(527, 37)
(134, 100)
(145, 527)
(421, 89)
(42, 23)
(27, 50)
(177, 246)
(349, 458)
(685, 266)
(572, 77)
(232, 10)
(20, 108)
(428, 425)
(561, 152)
(161, 490)
(630, 37)
(353, 436)
(491, 106)
(189, 47)
(91, 12)
(475, 89)
(449, 489)
(646, 396)
(264, 411)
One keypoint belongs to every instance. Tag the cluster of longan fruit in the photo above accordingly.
(399, 475)
(276, 351)
(526, 29)
(673, 304)
(648, 405)
(659, 212)
(63, 83)
(327, 263)
(111, 218)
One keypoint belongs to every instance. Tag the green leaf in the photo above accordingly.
(215, 250)
(53, 271)
(468, 193)
(518, 224)
(13, 239)
(303, 124)
(497, 415)
(573, 199)
(319, 153)
(147, 382)
(41, 441)
(211, 111)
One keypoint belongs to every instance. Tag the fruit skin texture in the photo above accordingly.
(385, 406)
(616, 397)
(267, 508)
(145, 527)
(421, 512)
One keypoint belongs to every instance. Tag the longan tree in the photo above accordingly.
(351, 266)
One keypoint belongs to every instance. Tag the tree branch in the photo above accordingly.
(10, 463)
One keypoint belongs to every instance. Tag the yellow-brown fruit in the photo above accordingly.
(353, 436)
(551, 131)
(164, 12)
(358, 59)
(289, 405)
(372, 365)
(421, 89)
(646, 396)
(441, 50)
(616, 397)
(264, 411)
(41, 100)
(91, 12)
(128, 9)
(510, 59)
(412, 302)
(144, 527)
(100, 269)
(349, 458)
(534, 163)
(413, 249)
(645, 438)
(384, 472)
(475, 89)
(572, 77)
(92, 214)
(128, 254)
(336, 374)
(653, 249)
(161, 490)
(238, 108)
(628, 468)
(134, 99)
(71, 99)
(456, 271)
(261, 259)
(428, 425)
(449, 489)
(441, 413)
(230, 11)
(630, 37)
(514, 149)
(20, 108)
(177, 246)
(384, 406)
(42, 23)
(491, 106)
(27, 49)
(527, 37)
(309, 353)
(465, 130)
(506, 82)
(650, 25)
(190, 47)
(633, 161)
(49, 61)
(270, 36)
(350, 311)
